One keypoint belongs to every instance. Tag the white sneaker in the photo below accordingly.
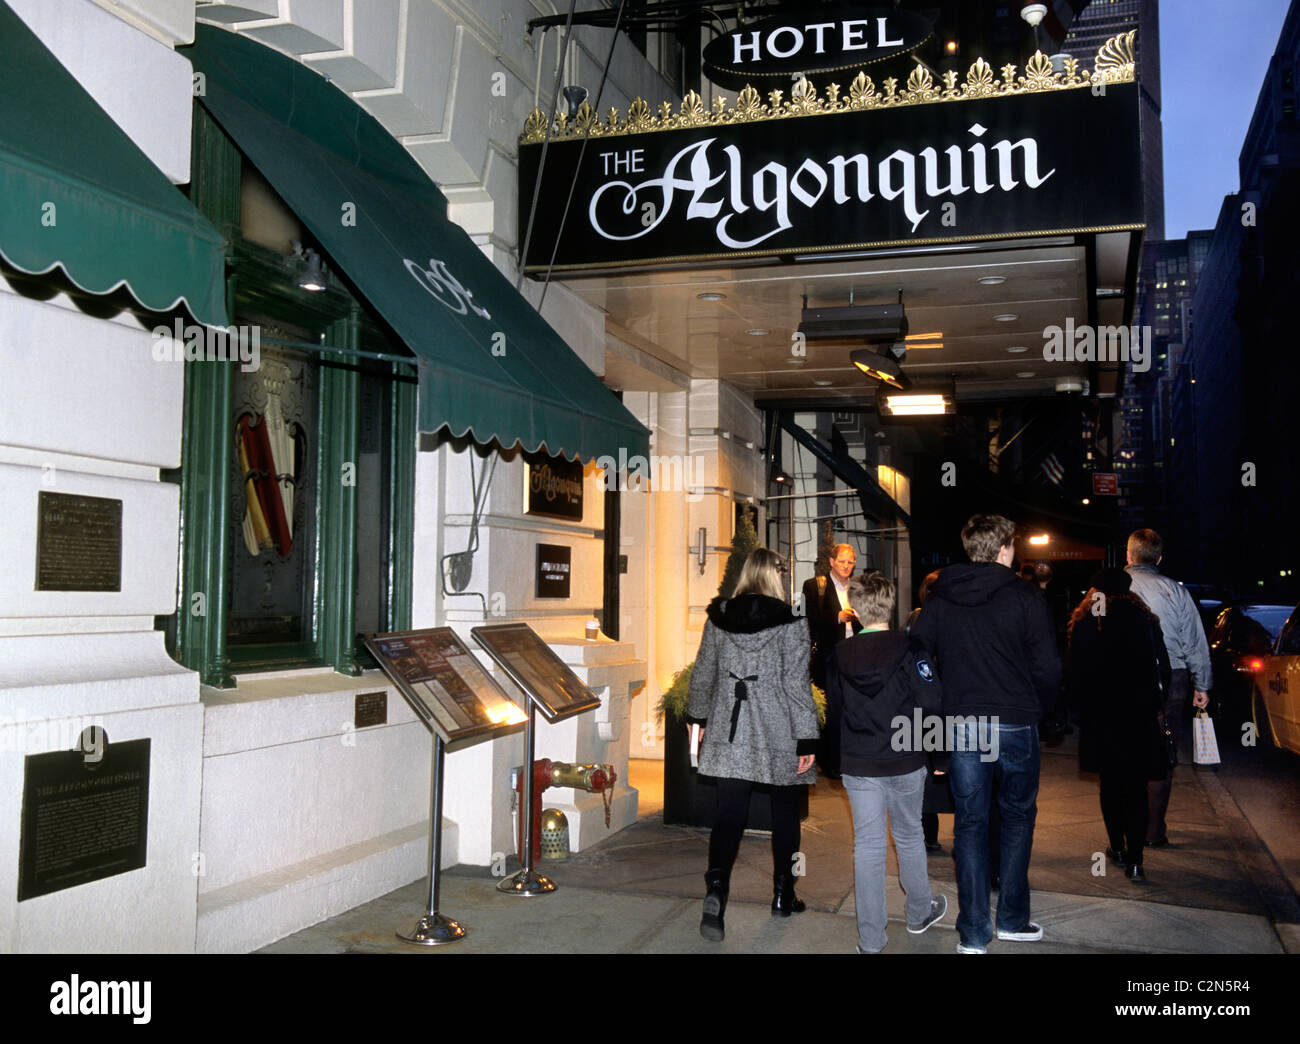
(963, 948)
(1031, 932)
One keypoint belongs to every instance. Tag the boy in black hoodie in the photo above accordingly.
(878, 690)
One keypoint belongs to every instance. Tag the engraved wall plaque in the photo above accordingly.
(371, 708)
(85, 816)
(78, 543)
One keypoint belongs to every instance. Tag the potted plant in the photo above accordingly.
(689, 798)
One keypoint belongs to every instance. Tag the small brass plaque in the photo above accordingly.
(371, 709)
(78, 543)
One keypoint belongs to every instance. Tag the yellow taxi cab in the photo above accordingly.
(1275, 701)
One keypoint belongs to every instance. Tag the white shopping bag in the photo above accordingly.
(1205, 748)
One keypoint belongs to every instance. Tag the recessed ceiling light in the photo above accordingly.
(794, 361)
(992, 280)
(1025, 373)
(710, 295)
(1006, 317)
(1017, 349)
(821, 384)
(756, 333)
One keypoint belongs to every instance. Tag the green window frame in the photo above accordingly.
(261, 282)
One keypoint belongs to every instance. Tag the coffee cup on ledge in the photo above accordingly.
(593, 630)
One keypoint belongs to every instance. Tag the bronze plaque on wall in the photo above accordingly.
(78, 543)
(370, 709)
(85, 816)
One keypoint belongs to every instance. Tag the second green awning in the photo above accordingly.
(491, 367)
(77, 193)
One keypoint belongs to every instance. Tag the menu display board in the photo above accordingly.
(547, 680)
(445, 685)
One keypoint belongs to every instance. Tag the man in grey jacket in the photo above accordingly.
(1189, 656)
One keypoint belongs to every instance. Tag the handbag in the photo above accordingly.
(1171, 745)
(1162, 723)
(1205, 747)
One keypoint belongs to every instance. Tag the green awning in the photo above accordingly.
(490, 366)
(77, 193)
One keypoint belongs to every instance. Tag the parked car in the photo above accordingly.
(1210, 601)
(1239, 639)
(1275, 700)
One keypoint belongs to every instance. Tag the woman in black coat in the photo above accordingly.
(1118, 674)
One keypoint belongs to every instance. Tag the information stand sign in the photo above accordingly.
(550, 687)
(546, 679)
(461, 704)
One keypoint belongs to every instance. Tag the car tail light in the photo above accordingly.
(1250, 664)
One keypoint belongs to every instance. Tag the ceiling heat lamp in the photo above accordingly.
(882, 365)
(882, 328)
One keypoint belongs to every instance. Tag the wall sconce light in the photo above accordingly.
(312, 276)
(701, 549)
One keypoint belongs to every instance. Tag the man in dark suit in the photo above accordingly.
(830, 620)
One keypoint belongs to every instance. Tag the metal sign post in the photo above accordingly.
(433, 928)
(460, 704)
(526, 881)
(551, 687)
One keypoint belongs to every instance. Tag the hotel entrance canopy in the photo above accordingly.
(490, 366)
(77, 193)
(1001, 205)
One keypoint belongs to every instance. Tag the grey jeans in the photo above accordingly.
(870, 798)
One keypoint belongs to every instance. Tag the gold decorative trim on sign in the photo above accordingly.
(1115, 63)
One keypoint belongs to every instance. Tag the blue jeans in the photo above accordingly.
(871, 797)
(1016, 770)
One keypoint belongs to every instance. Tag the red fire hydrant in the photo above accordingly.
(595, 779)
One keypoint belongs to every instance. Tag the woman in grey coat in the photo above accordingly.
(750, 687)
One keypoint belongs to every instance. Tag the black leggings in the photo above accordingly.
(1124, 811)
(733, 814)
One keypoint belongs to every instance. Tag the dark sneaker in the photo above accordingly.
(1031, 932)
(938, 907)
(1117, 856)
(1136, 874)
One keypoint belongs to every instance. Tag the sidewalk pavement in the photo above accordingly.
(1214, 889)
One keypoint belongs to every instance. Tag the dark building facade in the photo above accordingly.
(1169, 275)
(1234, 388)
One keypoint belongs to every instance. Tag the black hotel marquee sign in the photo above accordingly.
(790, 185)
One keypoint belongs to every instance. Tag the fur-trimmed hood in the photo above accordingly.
(749, 614)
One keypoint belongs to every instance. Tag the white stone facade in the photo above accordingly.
(268, 812)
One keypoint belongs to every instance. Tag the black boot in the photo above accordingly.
(715, 904)
(784, 901)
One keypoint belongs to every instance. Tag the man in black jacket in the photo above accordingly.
(831, 619)
(990, 634)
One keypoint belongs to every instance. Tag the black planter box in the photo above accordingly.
(692, 800)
